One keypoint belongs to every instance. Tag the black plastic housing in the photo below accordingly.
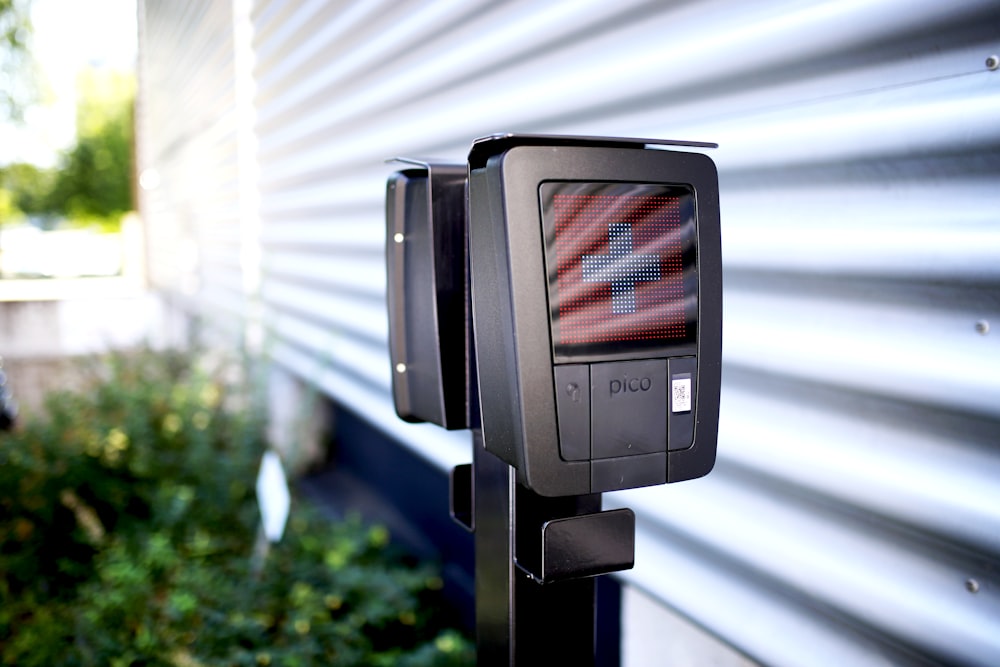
(426, 270)
(513, 344)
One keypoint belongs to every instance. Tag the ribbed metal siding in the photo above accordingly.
(854, 516)
(188, 152)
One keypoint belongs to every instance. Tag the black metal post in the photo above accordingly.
(518, 620)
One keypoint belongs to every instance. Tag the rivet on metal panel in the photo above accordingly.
(972, 585)
(992, 63)
(983, 327)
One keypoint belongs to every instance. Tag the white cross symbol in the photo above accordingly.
(621, 268)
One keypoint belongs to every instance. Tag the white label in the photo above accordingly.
(272, 496)
(680, 391)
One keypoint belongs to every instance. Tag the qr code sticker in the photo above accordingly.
(680, 388)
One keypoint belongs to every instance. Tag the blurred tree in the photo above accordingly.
(9, 211)
(93, 183)
(30, 189)
(18, 89)
(95, 178)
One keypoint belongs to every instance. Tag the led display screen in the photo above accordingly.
(620, 263)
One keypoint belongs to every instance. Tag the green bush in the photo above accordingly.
(128, 526)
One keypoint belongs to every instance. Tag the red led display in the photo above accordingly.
(619, 253)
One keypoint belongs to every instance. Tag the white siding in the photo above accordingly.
(188, 131)
(854, 516)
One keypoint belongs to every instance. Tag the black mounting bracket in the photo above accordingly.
(556, 539)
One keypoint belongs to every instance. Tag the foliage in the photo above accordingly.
(94, 179)
(93, 182)
(28, 190)
(17, 88)
(127, 534)
(9, 211)
(17, 71)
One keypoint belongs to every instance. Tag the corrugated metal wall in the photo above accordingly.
(854, 516)
(189, 159)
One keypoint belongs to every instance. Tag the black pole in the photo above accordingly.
(518, 620)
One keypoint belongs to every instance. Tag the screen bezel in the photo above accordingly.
(612, 350)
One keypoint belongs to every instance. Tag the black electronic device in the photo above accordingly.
(596, 283)
(562, 298)
(426, 259)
